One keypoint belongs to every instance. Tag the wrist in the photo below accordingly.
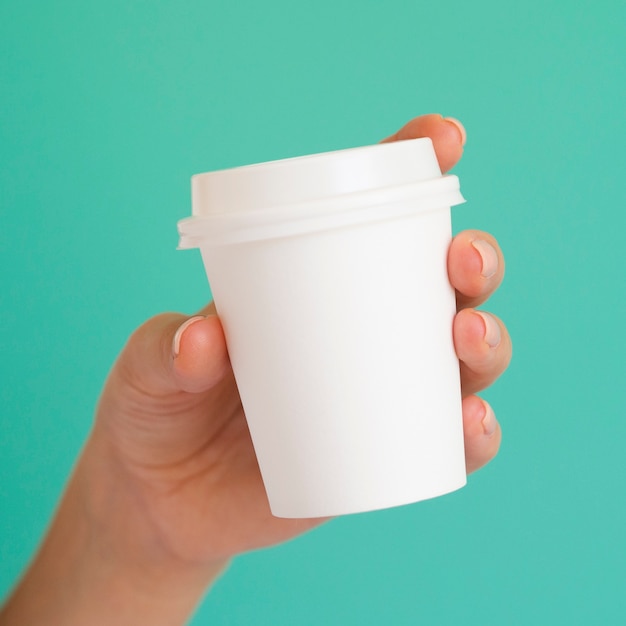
(100, 564)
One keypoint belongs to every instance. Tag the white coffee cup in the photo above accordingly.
(329, 274)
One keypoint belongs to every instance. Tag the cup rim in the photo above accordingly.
(318, 215)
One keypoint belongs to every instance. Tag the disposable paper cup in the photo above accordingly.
(329, 276)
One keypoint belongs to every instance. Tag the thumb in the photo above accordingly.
(171, 353)
(152, 406)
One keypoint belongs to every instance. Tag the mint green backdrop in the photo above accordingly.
(107, 108)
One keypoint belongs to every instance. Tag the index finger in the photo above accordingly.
(447, 134)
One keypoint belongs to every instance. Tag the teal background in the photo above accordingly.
(107, 108)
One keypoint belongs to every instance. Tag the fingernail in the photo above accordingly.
(489, 421)
(488, 255)
(179, 333)
(492, 329)
(460, 128)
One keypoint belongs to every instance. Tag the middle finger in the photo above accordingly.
(475, 267)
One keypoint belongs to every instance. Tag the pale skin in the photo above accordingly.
(167, 489)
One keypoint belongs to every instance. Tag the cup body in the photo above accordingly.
(341, 343)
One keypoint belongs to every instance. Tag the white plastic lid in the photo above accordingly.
(320, 191)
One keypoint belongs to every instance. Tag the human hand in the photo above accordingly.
(168, 487)
(171, 419)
